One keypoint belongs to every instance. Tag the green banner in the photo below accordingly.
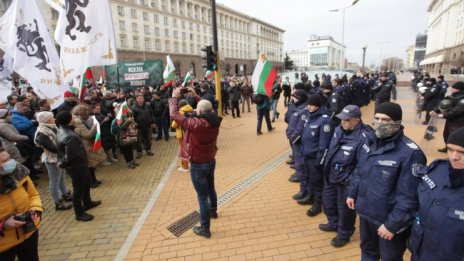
(134, 74)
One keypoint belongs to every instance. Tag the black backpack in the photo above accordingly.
(258, 98)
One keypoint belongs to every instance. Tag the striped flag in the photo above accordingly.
(168, 74)
(264, 76)
(188, 78)
(122, 113)
(97, 143)
(209, 75)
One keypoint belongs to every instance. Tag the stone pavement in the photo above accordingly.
(261, 223)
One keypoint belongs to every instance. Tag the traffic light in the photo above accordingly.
(209, 57)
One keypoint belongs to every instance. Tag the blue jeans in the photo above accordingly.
(203, 180)
(274, 108)
(56, 181)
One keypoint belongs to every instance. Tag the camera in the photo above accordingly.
(27, 218)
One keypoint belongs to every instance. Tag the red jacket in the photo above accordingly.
(200, 134)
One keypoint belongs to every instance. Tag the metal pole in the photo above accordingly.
(117, 71)
(364, 56)
(217, 75)
(343, 45)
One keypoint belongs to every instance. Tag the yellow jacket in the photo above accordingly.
(182, 110)
(24, 198)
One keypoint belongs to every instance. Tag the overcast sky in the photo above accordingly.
(386, 27)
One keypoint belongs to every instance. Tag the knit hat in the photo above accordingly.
(3, 113)
(182, 103)
(392, 110)
(301, 95)
(459, 86)
(314, 100)
(68, 94)
(63, 118)
(457, 137)
(327, 86)
(44, 116)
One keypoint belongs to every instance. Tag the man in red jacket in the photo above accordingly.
(201, 130)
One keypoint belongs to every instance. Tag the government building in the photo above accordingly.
(152, 29)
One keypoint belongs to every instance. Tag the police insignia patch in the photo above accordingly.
(412, 145)
(416, 167)
(334, 100)
(461, 101)
(327, 128)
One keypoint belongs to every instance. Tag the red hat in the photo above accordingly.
(68, 93)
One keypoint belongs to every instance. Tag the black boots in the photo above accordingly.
(62, 205)
(315, 209)
(93, 179)
(201, 231)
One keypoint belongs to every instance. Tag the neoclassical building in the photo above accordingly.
(151, 29)
(445, 40)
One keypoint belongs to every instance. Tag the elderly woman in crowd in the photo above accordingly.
(86, 129)
(9, 135)
(45, 137)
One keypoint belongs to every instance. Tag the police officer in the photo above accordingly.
(438, 229)
(455, 115)
(383, 90)
(384, 187)
(442, 85)
(315, 140)
(338, 168)
(431, 98)
(336, 102)
(299, 98)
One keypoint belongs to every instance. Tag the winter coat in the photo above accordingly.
(175, 125)
(45, 138)
(8, 136)
(71, 151)
(87, 136)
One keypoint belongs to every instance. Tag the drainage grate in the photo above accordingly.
(180, 226)
(187, 222)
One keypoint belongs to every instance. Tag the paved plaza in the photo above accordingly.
(258, 220)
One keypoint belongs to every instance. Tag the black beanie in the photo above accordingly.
(314, 100)
(459, 86)
(392, 110)
(457, 137)
(298, 86)
(301, 95)
(63, 118)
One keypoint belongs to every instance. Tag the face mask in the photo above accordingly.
(9, 166)
(384, 130)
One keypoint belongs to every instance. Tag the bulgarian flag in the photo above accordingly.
(263, 76)
(187, 78)
(122, 113)
(97, 144)
(209, 75)
(168, 74)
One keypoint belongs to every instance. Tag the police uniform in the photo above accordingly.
(292, 134)
(438, 229)
(455, 116)
(338, 168)
(315, 140)
(431, 100)
(382, 91)
(385, 192)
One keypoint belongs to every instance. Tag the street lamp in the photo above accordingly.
(343, 33)
(364, 56)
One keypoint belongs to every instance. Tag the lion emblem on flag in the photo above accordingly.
(31, 43)
(72, 12)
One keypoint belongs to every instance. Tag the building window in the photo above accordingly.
(184, 47)
(134, 27)
(198, 38)
(135, 42)
(145, 16)
(166, 20)
(184, 36)
(191, 37)
(147, 43)
(174, 22)
(122, 25)
(183, 24)
(198, 28)
(120, 10)
(176, 47)
(158, 45)
(133, 13)
(166, 32)
(156, 18)
(175, 34)
(123, 40)
(153, 4)
(146, 29)
(157, 31)
(192, 51)
(191, 26)
(55, 14)
(167, 46)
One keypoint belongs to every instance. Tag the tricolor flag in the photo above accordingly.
(122, 113)
(86, 37)
(263, 76)
(209, 75)
(168, 74)
(97, 144)
(188, 78)
(25, 38)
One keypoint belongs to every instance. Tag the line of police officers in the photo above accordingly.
(350, 168)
